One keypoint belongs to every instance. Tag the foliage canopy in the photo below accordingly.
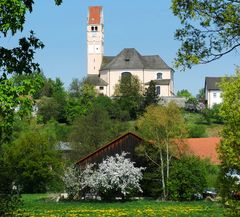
(210, 30)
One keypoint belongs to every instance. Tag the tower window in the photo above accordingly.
(92, 28)
(96, 28)
(159, 76)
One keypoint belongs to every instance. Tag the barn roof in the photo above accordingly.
(107, 146)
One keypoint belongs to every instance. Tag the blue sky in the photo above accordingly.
(63, 31)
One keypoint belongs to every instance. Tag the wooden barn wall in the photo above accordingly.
(126, 144)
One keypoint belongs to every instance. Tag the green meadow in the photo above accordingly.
(40, 205)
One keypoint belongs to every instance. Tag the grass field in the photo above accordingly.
(39, 205)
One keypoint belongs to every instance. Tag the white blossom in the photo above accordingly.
(115, 174)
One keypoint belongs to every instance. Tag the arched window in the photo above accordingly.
(92, 28)
(159, 76)
(126, 74)
(158, 90)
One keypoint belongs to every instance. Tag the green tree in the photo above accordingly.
(47, 88)
(184, 93)
(210, 30)
(35, 160)
(110, 105)
(129, 94)
(187, 177)
(93, 130)
(18, 60)
(75, 88)
(164, 126)
(201, 95)
(54, 106)
(150, 96)
(229, 150)
(80, 100)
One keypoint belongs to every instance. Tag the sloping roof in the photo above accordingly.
(160, 82)
(154, 62)
(96, 80)
(204, 148)
(106, 60)
(94, 16)
(200, 147)
(114, 143)
(130, 58)
(212, 83)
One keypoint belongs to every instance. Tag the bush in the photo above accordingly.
(196, 131)
(9, 203)
(216, 113)
(192, 105)
(115, 177)
(34, 162)
(187, 177)
(9, 198)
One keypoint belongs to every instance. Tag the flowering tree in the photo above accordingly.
(75, 180)
(115, 176)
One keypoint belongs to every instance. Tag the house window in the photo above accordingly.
(158, 90)
(214, 95)
(101, 88)
(159, 76)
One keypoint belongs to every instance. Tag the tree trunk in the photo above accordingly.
(162, 173)
(167, 164)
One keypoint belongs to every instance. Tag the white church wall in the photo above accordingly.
(151, 74)
(165, 90)
(113, 77)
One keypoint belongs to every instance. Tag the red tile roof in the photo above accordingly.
(204, 148)
(94, 15)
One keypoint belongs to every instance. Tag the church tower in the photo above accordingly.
(95, 39)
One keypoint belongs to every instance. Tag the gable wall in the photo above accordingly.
(211, 99)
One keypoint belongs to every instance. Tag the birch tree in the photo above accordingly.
(163, 126)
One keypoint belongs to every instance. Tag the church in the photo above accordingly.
(104, 72)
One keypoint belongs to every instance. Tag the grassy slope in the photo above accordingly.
(212, 129)
(39, 205)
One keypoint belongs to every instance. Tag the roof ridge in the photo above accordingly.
(108, 144)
